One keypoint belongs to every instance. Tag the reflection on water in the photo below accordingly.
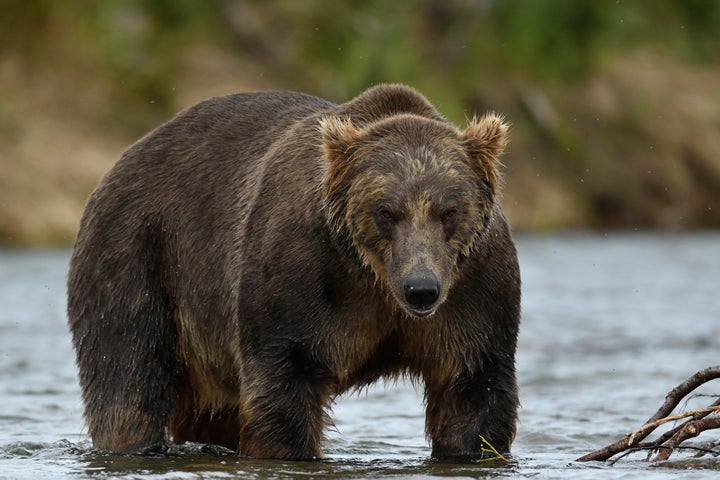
(610, 324)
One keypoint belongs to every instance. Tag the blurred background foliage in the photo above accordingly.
(615, 105)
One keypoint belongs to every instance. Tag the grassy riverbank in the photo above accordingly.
(614, 107)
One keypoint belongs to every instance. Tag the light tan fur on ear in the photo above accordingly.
(338, 134)
(485, 139)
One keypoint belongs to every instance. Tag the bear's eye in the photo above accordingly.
(450, 221)
(450, 215)
(387, 215)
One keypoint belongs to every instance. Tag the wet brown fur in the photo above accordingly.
(234, 272)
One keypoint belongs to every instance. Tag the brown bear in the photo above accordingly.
(261, 253)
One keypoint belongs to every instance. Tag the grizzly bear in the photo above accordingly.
(262, 253)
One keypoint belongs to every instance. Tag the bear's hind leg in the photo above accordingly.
(125, 342)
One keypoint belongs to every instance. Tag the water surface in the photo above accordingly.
(610, 324)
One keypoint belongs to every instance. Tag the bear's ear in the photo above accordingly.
(338, 135)
(485, 139)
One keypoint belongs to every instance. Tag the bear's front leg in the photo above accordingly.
(465, 412)
(283, 409)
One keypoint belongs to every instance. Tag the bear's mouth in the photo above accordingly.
(421, 311)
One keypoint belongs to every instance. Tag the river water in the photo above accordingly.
(610, 324)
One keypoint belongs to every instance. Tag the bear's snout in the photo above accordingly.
(421, 292)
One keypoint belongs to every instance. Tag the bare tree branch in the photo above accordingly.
(690, 429)
(665, 436)
(695, 424)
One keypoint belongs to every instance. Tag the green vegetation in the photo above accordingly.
(589, 86)
(447, 46)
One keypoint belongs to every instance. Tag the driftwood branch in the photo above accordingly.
(690, 429)
(667, 435)
(695, 424)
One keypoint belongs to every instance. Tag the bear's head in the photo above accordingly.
(413, 196)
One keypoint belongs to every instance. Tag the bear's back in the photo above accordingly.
(221, 129)
(211, 150)
(188, 183)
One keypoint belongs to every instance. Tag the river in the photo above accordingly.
(611, 322)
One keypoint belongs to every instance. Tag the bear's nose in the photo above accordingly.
(422, 290)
